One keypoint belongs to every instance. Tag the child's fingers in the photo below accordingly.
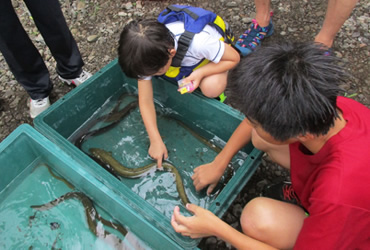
(175, 221)
(159, 162)
(210, 188)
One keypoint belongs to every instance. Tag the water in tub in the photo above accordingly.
(128, 143)
(62, 226)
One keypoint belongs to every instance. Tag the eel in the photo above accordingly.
(107, 158)
(179, 185)
(114, 114)
(197, 136)
(91, 214)
(118, 116)
(58, 177)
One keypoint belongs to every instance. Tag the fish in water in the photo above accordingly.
(107, 158)
(91, 214)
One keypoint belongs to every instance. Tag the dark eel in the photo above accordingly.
(115, 113)
(58, 177)
(90, 211)
(107, 158)
(119, 115)
(115, 116)
(196, 135)
(123, 171)
(179, 185)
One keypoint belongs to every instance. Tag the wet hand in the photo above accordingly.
(206, 175)
(197, 226)
(158, 152)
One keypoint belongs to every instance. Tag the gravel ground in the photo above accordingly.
(96, 25)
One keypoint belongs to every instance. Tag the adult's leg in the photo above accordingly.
(51, 23)
(337, 13)
(262, 12)
(23, 58)
(271, 221)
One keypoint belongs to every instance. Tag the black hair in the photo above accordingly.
(288, 89)
(144, 47)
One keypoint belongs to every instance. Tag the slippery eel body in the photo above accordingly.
(107, 161)
(107, 158)
(91, 214)
(114, 117)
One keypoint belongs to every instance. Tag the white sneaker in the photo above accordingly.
(78, 80)
(38, 106)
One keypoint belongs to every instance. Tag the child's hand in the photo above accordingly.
(206, 174)
(158, 151)
(197, 226)
(195, 79)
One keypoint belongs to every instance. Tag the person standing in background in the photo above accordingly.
(337, 13)
(24, 59)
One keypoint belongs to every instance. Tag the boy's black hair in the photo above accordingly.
(288, 89)
(144, 47)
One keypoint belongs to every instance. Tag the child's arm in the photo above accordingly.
(229, 59)
(210, 174)
(157, 149)
(204, 223)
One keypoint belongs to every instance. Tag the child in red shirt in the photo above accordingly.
(289, 94)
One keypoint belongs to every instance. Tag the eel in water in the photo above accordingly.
(107, 158)
(58, 177)
(114, 114)
(196, 135)
(117, 115)
(90, 211)
(179, 185)
(123, 171)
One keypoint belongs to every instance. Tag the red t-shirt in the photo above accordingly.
(334, 185)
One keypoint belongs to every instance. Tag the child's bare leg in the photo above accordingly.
(262, 12)
(212, 86)
(274, 222)
(277, 153)
(337, 13)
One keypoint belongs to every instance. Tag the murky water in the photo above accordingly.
(61, 227)
(128, 142)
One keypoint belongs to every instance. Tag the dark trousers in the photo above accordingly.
(23, 58)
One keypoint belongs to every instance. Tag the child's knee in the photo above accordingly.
(255, 219)
(212, 89)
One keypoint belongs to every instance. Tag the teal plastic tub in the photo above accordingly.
(153, 196)
(34, 171)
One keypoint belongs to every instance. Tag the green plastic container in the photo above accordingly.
(207, 117)
(25, 149)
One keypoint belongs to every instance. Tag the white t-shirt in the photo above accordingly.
(205, 44)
